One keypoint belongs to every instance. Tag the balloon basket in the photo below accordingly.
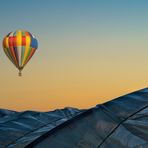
(20, 73)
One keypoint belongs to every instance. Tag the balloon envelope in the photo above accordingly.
(19, 46)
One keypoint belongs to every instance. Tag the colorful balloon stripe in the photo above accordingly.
(30, 55)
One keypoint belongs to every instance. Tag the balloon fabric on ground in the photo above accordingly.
(19, 46)
(120, 123)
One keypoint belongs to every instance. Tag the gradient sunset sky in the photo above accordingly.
(90, 51)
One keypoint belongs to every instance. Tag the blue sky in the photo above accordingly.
(86, 48)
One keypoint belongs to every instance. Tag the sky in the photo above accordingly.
(90, 52)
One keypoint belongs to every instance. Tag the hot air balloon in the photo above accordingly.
(19, 47)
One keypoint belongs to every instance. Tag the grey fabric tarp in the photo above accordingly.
(17, 129)
(120, 123)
